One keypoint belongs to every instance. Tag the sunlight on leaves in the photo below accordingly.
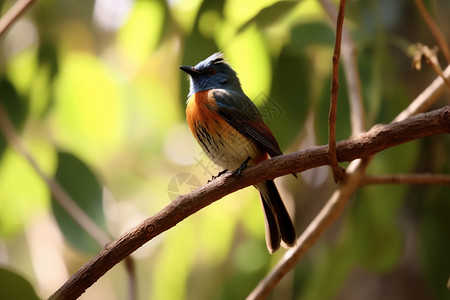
(22, 191)
(185, 12)
(248, 55)
(21, 69)
(141, 33)
(173, 266)
(89, 112)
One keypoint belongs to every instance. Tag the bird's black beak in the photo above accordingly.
(190, 70)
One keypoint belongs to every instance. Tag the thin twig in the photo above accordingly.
(440, 38)
(364, 145)
(407, 179)
(309, 237)
(426, 98)
(353, 81)
(431, 58)
(338, 173)
(13, 14)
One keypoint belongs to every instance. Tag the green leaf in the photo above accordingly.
(286, 108)
(14, 105)
(82, 185)
(48, 56)
(433, 219)
(308, 34)
(322, 106)
(88, 106)
(270, 14)
(14, 286)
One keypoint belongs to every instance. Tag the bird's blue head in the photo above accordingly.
(212, 73)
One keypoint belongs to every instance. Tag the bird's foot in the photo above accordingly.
(218, 175)
(241, 167)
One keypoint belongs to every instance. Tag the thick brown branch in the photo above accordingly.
(377, 139)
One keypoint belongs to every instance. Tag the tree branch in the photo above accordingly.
(320, 223)
(440, 38)
(357, 114)
(337, 171)
(329, 213)
(13, 14)
(426, 98)
(379, 138)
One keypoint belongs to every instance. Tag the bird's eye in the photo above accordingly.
(211, 71)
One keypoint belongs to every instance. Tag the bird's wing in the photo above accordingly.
(241, 113)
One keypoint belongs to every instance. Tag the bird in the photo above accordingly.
(231, 131)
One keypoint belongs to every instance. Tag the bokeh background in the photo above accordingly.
(94, 89)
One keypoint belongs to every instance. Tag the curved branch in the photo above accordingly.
(364, 145)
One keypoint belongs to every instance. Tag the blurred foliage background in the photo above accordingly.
(95, 91)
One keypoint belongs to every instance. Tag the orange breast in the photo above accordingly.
(202, 109)
(223, 144)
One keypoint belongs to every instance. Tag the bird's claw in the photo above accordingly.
(241, 167)
(218, 175)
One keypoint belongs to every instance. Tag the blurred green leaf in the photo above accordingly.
(84, 188)
(14, 105)
(48, 56)
(14, 286)
(434, 240)
(308, 34)
(270, 14)
(141, 34)
(322, 108)
(332, 266)
(173, 266)
(376, 236)
(23, 193)
(89, 107)
(286, 108)
(249, 56)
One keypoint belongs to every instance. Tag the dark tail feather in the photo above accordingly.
(273, 237)
(278, 222)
